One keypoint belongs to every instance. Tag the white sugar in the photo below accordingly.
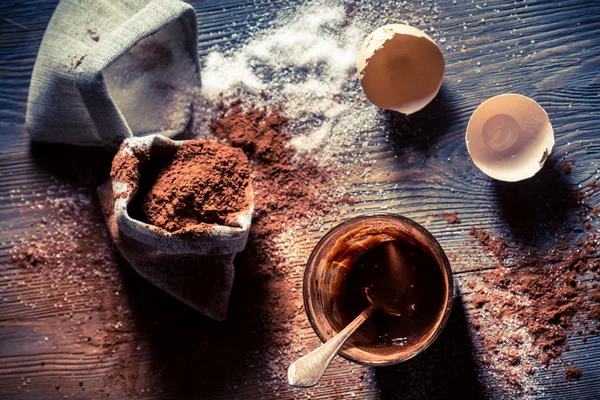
(221, 74)
(307, 64)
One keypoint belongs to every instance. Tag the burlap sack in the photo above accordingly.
(193, 264)
(111, 69)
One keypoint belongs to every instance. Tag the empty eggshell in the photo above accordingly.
(509, 137)
(400, 68)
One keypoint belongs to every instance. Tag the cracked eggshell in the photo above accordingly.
(509, 137)
(400, 68)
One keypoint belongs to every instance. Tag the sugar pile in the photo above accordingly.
(304, 65)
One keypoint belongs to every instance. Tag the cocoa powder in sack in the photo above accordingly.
(179, 211)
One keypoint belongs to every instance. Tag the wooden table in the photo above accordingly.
(548, 50)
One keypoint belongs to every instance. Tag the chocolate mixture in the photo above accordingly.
(203, 182)
(401, 277)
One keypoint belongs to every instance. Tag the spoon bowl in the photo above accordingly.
(388, 309)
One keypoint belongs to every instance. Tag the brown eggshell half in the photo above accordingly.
(509, 137)
(400, 68)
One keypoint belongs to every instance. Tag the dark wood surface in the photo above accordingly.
(549, 50)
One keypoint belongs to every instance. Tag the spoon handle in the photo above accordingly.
(307, 371)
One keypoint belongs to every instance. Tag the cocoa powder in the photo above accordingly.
(545, 293)
(286, 190)
(202, 182)
(573, 374)
(77, 275)
(125, 168)
(491, 244)
(451, 218)
(292, 195)
(594, 313)
(551, 284)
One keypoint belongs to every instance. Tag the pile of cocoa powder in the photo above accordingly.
(202, 182)
(573, 373)
(287, 190)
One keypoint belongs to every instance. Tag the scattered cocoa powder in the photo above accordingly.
(452, 218)
(595, 293)
(594, 313)
(573, 374)
(551, 285)
(79, 61)
(491, 244)
(566, 167)
(203, 182)
(70, 263)
(514, 358)
(542, 293)
(479, 300)
(575, 199)
(346, 200)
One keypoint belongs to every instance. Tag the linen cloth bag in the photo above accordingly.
(193, 264)
(111, 69)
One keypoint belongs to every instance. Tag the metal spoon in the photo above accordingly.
(308, 370)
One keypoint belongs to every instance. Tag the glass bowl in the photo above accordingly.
(323, 277)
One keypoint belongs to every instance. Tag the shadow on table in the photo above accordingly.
(193, 356)
(538, 207)
(446, 370)
(421, 130)
(72, 164)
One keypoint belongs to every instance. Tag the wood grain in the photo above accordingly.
(419, 167)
